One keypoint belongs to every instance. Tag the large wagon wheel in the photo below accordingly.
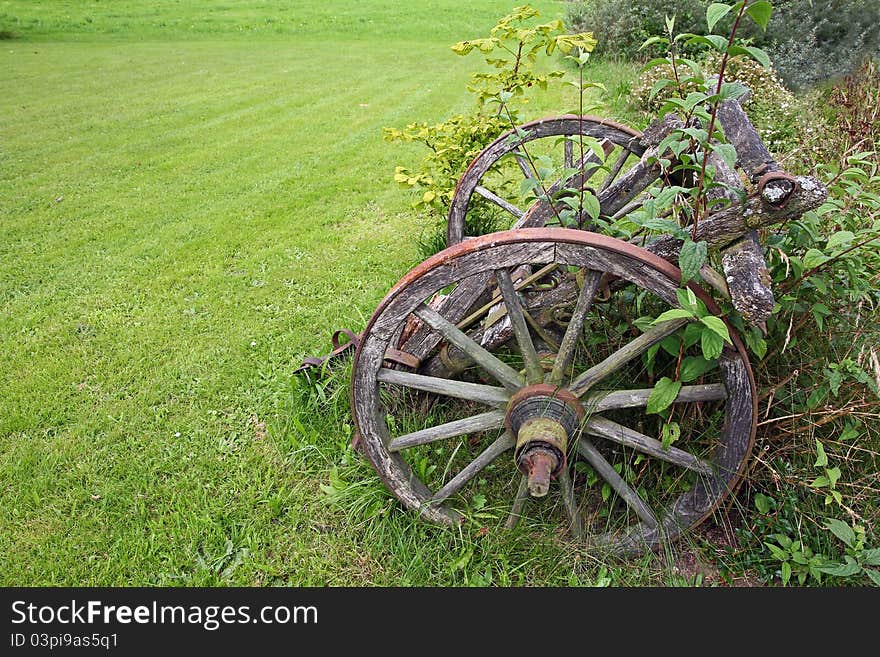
(529, 413)
(522, 147)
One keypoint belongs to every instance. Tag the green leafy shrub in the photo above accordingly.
(782, 119)
(511, 51)
(816, 40)
(808, 40)
(622, 26)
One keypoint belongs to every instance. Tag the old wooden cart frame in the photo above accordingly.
(428, 330)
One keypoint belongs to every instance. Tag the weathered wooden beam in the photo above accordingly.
(728, 225)
(505, 374)
(748, 279)
(745, 268)
(617, 483)
(599, 426)
(490, 395)
(623, 355)
(492, 452)
(474, 424)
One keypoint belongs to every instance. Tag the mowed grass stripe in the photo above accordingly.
(150, 430)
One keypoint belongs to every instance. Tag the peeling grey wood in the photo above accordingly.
(475, 424)
(748, 279)
(519, 502)
(459, 389)
(604, 469)
(575, 326)
(569, 500)
(723, 227)
(622, 356)
(743, 261)
(598, 426)
(505, 374)
(500, 202)
(492, 452)
(599, 401)
(534, 371)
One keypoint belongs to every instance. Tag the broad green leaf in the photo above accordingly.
(732, 90)
(819, 482)
(669, 434)
(841, 530)
(692, 257)
(873, 574)
(833, 476)
(783, 540)
(755, 342)
(760, 13)
(687, 298)
(871, 557)
(786, 572)
(693, 367)
(814, 258)
(778, 554)
(755, 53)
(821, 457)
(727, 152)
(842, 569)
(715, 12)
(652, 40)
(712, 344)
(591, 206)
(671, 345)
(840, 238)
(717, 42)
(762, 503)
(664, 393)
(717, 325)
(674, 313)
(692, 334)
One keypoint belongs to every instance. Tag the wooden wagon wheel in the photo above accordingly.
(529, 413)
(520, 146)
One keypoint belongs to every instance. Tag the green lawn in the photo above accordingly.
(192, 197)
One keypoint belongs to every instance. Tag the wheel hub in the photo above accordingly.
(542, 418)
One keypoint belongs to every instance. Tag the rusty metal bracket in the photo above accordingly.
(772, 176)
(339, 348)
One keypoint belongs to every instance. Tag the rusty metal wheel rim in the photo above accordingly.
(573, 248)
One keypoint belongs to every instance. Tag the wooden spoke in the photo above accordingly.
(482, 422)
(628, 187)
(625, 354)
(571, 506)
(528, 280)
(523, 161)
(618, 485)
(492, 452)
(477, 392)
(599, 401)
(534, 372)
(615, 169)
(574, 328)
(569, 154)
(500, 202)
(522, 495)
(505, 374)
(599, 426)
(626, 209)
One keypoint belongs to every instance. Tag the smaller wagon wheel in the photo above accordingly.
(568, 418)
(522, 153)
